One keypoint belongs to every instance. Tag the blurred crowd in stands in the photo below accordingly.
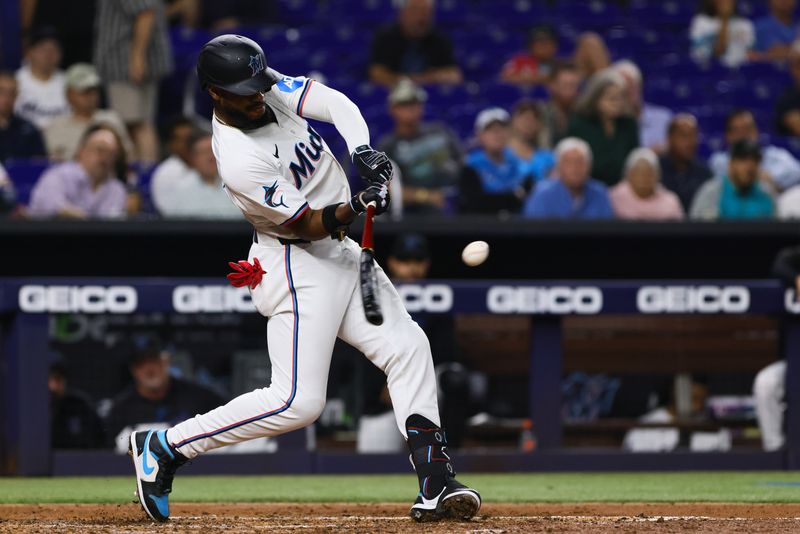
(566, 126)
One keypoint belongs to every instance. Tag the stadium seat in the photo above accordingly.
(517, 15)
(186, 43)
(658, 13)
(653, 33)
(24, 173)
(369, 12)
(145, 174)
(296, 13)
(589, 14)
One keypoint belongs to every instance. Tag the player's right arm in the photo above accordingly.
(330, 220)
(261, 191)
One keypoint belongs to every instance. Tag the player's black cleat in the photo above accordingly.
(155, 463)
(440, 496)
(455, 501)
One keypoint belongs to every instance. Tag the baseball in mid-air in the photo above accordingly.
(475, 253)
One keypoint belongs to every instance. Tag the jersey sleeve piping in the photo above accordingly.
(304, 208)
(303, 96)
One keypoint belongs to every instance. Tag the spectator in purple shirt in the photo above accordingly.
(84, 188)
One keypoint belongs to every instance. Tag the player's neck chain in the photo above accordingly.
(222, 121)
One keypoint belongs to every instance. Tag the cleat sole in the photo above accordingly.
(461, 507)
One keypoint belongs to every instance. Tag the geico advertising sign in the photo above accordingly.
(558, 300)
(211, 299)
(693, 299)
(80, 299)
(433, 298)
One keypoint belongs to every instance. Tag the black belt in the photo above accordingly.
(282, 240)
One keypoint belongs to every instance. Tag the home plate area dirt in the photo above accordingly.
(381, 518)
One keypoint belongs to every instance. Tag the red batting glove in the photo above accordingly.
(245, 274)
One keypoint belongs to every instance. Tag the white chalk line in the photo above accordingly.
(336, 521)
(632, 519)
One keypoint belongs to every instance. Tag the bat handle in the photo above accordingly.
(366, 238)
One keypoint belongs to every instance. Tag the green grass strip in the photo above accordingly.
(780, 486)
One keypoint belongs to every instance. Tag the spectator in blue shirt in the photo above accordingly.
(775, 32)
(737, 193)
(572, 194)
(495, 178)
(530, 139)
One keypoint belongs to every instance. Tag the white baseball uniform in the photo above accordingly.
(310, 291)
(769, 392)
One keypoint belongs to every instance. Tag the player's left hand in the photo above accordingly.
(372, 165)
(379, 194)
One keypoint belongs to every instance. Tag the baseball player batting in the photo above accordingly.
(303, 274)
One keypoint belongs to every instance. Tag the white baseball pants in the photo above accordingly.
(769, 389)
(311, 294)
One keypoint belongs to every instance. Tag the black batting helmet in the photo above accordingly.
(234, 63)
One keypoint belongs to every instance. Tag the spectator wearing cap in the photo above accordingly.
(530, 139)
(156, 397)
(132, 55)
(639, 195)
(557, 110)
(787, 107)
(19, 138)
(88, 187)
(200, 194)
(534, 65)
(682, 172)
(496, 179)
(42, 97)
(410, 259)
(779, 168)
(64, 133)
(775, 32)
(718, 33)
(74, 424)
(409, 262)
(413, 47)
(737, 193)
(653, 120)
(428, 154)
(603, 120)
(571, 194)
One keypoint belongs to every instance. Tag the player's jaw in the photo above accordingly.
(247, 111)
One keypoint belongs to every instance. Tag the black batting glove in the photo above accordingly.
(379, 194)
(373, 166)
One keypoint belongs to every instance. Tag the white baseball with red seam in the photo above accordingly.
(475, 253)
